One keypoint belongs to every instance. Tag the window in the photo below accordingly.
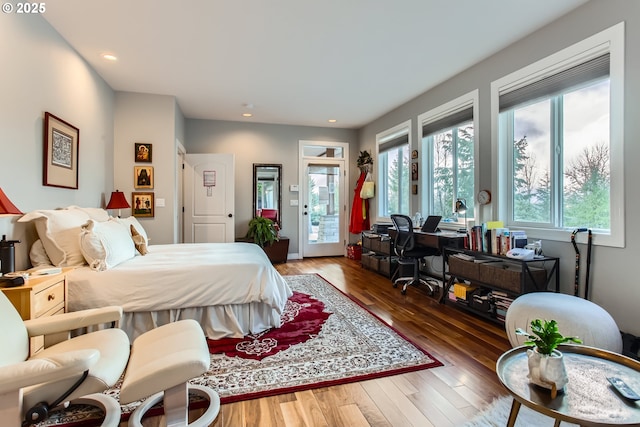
(393, 170)
(448, 159)
(557, 132)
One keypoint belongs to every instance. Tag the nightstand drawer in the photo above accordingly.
(49, 299)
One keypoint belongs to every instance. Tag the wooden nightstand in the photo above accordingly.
(40, 296)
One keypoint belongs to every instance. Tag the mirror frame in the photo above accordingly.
(255, 188)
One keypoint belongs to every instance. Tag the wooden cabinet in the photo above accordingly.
(40, 296)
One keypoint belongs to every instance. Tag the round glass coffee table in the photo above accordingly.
(588, 399)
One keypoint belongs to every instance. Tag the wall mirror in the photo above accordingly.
(267, 191)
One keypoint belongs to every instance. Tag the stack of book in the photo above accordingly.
(492, 237)
(502, 302)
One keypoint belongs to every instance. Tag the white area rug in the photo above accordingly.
(496, 414)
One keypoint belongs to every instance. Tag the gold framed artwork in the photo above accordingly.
(143, 152)
(61, 144)
(143, 204)
(143, 177)
(414, 171)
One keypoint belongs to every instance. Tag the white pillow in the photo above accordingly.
(37, 255)
(59, 231)
(132, 220)
(96, 214)
(106, 244)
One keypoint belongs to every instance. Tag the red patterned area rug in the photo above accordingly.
(326, 339)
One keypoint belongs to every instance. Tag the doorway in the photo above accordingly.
(323, 179)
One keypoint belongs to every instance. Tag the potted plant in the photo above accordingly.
(262, 231)
(266, 234)
(546, 365)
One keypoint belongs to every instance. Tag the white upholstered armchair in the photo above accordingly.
(66, 370)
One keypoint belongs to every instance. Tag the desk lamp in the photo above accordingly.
(118, 201)
(7, 250)
(461, 208)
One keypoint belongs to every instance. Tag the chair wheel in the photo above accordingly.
(395, 285)
(403, 292)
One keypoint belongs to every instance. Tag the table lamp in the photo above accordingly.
(7, 251)
(461, 208)
(118, 201)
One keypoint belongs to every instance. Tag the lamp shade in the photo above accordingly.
(118, 201)
(6, 207)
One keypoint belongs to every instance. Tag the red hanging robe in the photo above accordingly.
(359, 209)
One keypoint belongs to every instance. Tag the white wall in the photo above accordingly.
(614, 276)
(40, 73)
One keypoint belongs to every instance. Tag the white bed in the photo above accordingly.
(231, 289)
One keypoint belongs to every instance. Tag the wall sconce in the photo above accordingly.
(461, 208)
(118, 201)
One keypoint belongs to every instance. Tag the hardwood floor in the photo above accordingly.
(445, 396)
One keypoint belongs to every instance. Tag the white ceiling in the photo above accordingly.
(299, 62)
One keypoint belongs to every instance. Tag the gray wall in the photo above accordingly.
(40, 73)
(261, 143)
(614, 283)
(154, 119)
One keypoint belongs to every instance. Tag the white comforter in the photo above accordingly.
(181, 276)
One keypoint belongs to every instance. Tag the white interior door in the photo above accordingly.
(323, 207)
(209, 198)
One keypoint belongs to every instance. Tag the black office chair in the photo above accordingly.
(409, 253)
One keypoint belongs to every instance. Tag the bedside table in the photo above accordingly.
(40, 296)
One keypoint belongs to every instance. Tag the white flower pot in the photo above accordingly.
(547, 371)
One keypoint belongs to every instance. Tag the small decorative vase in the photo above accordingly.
(547, 371)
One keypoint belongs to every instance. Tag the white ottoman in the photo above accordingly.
(576, 317)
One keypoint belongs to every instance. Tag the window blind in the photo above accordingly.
(573, 77)
(394, 143)
(451, 120)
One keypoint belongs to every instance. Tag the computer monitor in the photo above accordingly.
(431, 224)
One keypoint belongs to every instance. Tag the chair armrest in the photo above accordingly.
(53, 368)
(69, 321)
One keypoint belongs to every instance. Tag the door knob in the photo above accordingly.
(230, 215)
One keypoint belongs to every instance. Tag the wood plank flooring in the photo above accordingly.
(441, 397)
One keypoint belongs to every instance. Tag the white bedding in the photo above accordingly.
(230, 281)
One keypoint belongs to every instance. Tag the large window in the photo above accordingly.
(393, 171)
(448, 159)
(555, 131)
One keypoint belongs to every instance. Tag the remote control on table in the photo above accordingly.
(623, 388)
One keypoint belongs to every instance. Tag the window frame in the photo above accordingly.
(610, 41)
(469, 99)
(394, 132)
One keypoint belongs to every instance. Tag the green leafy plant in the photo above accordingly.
(545, 336)
(262, 231)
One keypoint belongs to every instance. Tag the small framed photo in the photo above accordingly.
(61, 144)
(414, 154)
(414, 171)
(143, 177)
(143, 204)
(414, 189)
(142, 152)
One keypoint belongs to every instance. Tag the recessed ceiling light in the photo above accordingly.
(332, 120)
(247, 115)
(109, 57)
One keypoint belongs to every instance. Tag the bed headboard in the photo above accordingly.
(23, 231)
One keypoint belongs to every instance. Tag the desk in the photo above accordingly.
(437, 240)
(587, 400)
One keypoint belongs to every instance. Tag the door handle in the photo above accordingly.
(230, 215)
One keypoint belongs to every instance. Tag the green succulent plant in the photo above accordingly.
(262, 231)
(545, 336)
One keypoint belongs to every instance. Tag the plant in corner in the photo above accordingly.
(262, 231)
(546, 365)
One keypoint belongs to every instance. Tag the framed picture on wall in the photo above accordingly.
(143, 204)
(61, 143)
(142, 152)
(143, 177)
(414, 171)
